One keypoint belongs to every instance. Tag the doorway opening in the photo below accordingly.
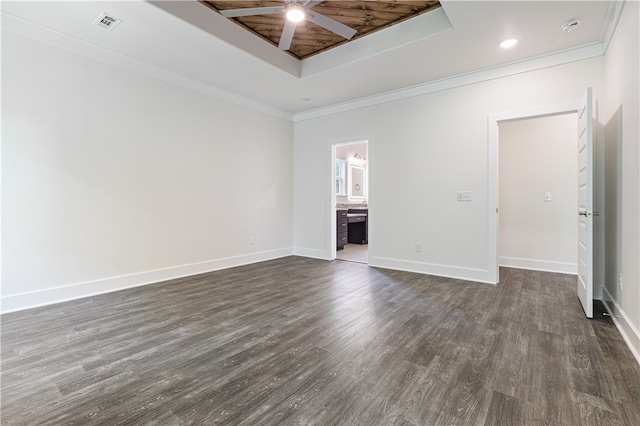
(494, 180)
(538, 177)
(350, 206)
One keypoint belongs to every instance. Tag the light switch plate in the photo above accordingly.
(547, 197)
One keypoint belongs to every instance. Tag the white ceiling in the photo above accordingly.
(186, 43)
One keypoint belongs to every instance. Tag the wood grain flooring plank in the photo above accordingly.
(504, 410)
(302, 400)
(593, 410)
(394, 378)
(226, 404)
(422, 402)
(297, 341)
(437, 337)
(552, 400)
(590, 372)
(161, 358)
(514, 368)
(468, 396)
(624, 375)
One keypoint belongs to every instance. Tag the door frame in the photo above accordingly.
(332, 185)
(493, 150)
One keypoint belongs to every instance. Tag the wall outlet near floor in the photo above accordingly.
(620, 281)
(418, 247)
(464, 195)
(252, 241)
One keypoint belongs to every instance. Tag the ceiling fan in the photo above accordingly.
(296, 11)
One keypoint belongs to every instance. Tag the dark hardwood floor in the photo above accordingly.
(299, 341)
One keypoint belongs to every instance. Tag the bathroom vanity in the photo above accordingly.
(352, 226)
(341, 228)
(358, 226)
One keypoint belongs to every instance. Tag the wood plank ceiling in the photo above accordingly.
(309, 39)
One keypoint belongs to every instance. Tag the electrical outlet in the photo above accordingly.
(547, 197)
(464, 195)
(252, 241)
(620, 281)
(418, 247)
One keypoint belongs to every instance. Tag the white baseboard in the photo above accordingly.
(457, 272)
(539, 265)
(18, 302)
(629, 332)
(312, 253)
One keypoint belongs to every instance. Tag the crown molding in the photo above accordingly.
(611, 22)
(585, 52)
(573, 55)
(25, 28)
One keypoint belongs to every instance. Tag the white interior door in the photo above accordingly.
(585, 203)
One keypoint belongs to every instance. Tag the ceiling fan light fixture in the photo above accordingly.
(295, 13)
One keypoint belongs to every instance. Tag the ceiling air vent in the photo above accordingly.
(106, 21)
(570, 25)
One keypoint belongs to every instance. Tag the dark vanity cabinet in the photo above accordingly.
(341, 228)
(358, 226)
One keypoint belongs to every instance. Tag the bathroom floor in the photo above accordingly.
(354, 253)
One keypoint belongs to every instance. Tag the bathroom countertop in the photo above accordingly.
(351, 206)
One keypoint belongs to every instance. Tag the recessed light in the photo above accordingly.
(509, 43)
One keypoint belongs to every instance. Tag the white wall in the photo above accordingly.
(622, 153)
(537, 156)
(422, 150)
(112, 179)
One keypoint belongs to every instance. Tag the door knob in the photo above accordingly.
(582, 213)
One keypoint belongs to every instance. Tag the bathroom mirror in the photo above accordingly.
(356, 182)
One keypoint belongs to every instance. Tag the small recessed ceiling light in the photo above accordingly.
(509, 43)
(295, 13)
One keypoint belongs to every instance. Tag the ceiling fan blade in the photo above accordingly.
(330, 24)
(249, 11)
(287, 35)
(312, 3)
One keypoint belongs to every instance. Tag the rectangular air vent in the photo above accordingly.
(107, 21)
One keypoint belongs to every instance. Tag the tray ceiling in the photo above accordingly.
(366, 17)
(185, 43)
